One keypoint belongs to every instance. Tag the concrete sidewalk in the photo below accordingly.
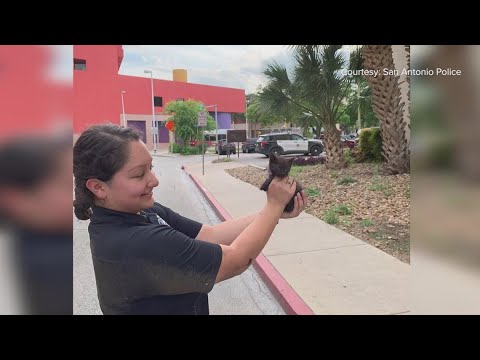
(330, 270)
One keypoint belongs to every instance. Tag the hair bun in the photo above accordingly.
(82, 212)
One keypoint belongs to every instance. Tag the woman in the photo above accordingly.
(147, 258)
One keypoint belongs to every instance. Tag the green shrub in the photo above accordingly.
(375, 143)
(348, 157)
(370, 145)
(176, 148)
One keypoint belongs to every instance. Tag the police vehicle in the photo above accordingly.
(281, 143)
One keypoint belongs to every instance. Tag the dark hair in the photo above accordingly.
(99, 153)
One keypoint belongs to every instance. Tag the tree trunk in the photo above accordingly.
(333, 148)
(386, 104)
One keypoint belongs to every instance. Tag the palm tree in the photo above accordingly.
(389, 110)
(317, 90)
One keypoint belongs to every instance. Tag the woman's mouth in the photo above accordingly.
(148, 194)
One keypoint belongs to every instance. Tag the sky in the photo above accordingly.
(234, 66)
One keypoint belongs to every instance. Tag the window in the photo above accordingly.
(79, 64)
(297, 137)
(158, 101)
(282, 137)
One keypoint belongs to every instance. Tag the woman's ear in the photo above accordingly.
(97, 187)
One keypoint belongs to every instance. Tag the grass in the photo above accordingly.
(387, 192)
(346, 180)
(312, 192)
(378, 235)
(334, 175)
(366, 222)
(377, 187)
(342, 210)
(330, 217)
(295, 170)
(226, 159)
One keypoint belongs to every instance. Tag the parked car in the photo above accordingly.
(249, 145)
(347, 141)
(222, 147)
(287, 143)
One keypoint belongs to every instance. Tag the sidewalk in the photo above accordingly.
(163, 152)
(330, 270)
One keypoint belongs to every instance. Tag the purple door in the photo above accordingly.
(163, 135)
(140, 126)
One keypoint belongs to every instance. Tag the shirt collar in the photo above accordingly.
(102, 215)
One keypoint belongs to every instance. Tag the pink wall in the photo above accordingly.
(97, 91)
(31, 100)
(96, 99)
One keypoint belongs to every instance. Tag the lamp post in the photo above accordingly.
(246, 120)
(359, 118)
(154, 123)
(216, 127)
(123, 109)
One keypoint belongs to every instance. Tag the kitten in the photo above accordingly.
(280, 167)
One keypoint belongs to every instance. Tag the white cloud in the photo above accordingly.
(236, 66)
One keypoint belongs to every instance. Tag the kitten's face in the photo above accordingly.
(279, 166)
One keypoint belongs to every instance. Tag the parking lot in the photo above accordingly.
(247, 159)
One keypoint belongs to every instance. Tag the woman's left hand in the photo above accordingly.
(299, 205)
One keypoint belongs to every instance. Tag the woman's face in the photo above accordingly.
(131, 188)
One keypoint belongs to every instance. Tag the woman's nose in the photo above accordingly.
(153, 181)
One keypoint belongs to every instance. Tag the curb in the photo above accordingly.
(258, 167)
(164, 155)
(289, 300)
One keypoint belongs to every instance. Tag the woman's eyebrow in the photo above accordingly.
(138, 166)
(142, 165)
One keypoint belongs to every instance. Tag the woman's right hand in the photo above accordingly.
(281, 191)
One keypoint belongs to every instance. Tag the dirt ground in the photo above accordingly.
(360, 200)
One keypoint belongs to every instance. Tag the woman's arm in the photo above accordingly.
(238, 256)
(226, 232)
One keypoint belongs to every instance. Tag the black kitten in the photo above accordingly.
(280, 167)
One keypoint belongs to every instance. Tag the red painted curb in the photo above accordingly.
(290, 301)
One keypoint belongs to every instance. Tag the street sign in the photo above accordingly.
(236, 135)
(202, 118)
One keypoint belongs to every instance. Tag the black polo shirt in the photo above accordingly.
(151, 263)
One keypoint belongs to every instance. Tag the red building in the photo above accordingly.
(98, 91)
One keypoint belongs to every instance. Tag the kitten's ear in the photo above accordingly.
(273, 157)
